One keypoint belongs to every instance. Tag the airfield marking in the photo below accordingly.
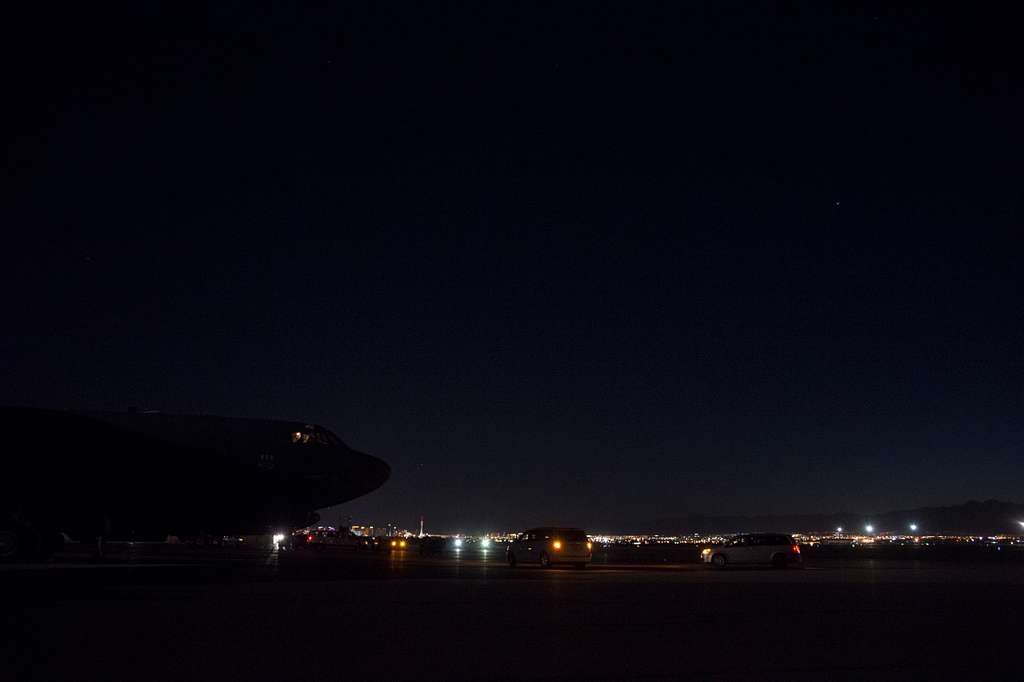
(14, 568)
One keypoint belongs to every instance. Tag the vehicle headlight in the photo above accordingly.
(590, 545)
(556, 544)
(706, 551)
(402, 543)
(393, 543)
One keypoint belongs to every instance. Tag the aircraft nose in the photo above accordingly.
(352, 474)
(337, 475)
(368, 472)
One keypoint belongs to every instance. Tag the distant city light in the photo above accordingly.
(869, 528)
(458, 542)
(839, 529)
(913, 526)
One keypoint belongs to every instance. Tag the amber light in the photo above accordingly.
(590, 545)
(796, 549)
(557, 544)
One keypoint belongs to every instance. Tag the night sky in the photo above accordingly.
(588, 264)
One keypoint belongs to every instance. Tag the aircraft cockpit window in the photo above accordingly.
(311, 435)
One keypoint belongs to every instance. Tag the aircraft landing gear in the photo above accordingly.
(21, 541)
(10, 543)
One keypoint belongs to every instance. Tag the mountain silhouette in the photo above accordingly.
(971, 518)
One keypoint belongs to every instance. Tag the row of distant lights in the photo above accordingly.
(871, 529)
(913, 527)
(486, 542)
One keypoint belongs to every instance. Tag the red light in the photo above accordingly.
(310, 538)
(796, 549)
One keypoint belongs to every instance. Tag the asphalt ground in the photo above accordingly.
(175, 613)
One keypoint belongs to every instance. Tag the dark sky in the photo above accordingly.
(588, 264)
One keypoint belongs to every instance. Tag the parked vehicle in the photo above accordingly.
(755, 548)
(548, 546)
(320, 537)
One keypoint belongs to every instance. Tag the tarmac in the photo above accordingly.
(174, 613)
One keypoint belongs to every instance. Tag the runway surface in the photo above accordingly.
(174, 613)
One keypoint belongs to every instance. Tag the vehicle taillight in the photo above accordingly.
(309, 538)
(796, 549)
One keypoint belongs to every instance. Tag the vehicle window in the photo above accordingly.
(572, 535)
(741, 541)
